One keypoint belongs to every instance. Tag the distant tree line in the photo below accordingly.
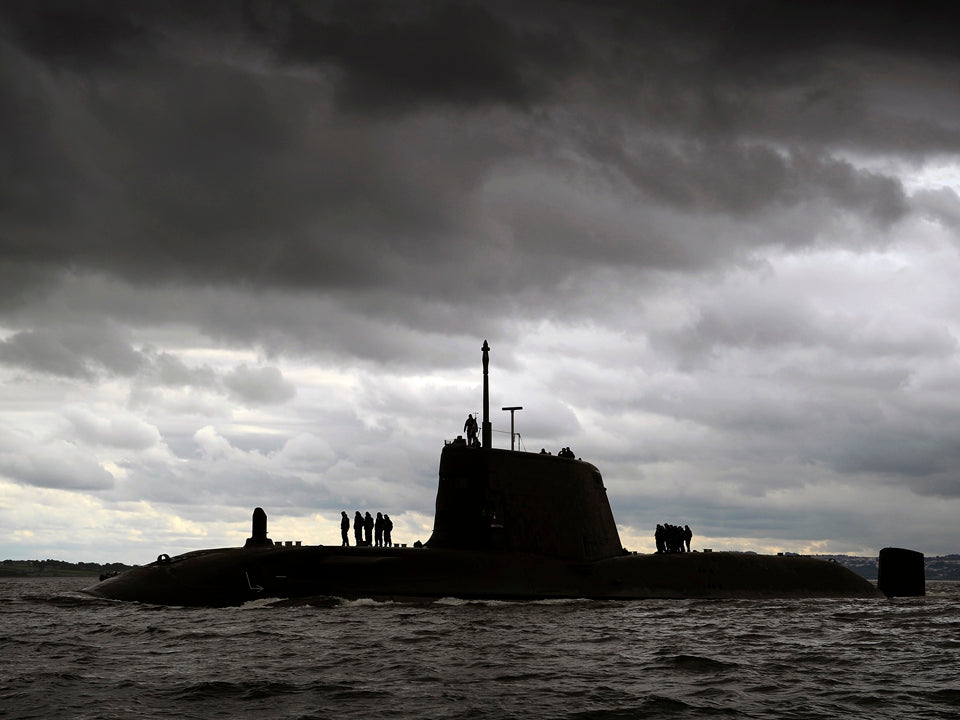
(57, 568)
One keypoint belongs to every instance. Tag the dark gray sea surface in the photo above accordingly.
(66, 655)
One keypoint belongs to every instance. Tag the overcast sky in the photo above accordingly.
(249, 254)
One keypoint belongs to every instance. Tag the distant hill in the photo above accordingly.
(57, 568)
(946, 567)
(941, 567)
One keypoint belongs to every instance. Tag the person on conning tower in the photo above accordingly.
(470, 428)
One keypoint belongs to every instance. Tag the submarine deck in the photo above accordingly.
(232, 576)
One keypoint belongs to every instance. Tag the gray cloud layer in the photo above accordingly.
(339, 147)
(712, 206)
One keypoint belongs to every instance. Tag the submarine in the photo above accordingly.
(509, 525)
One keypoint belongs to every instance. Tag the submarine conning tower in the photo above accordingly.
(505, 500)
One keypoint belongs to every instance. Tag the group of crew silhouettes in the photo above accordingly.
(563, 452)
(673, 538)
(364, 526)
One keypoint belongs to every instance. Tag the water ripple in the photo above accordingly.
(66, 656)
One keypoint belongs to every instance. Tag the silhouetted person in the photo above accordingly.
(368, 528)
(470, 428)
(345, 528)
(358, 528)
(387, 530)
(378, 530)
(672, 538)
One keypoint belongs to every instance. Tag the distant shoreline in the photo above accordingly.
(936, 567)
(57, 568)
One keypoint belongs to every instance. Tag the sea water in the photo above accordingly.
(66, 655)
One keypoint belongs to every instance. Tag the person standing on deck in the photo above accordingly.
(358, 528)
(344, 528)
(387, 530)
(368, 528)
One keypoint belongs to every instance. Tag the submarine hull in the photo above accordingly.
(508, 525)
(233, 576)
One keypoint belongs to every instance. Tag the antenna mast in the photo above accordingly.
(485, 428)
(512, 433)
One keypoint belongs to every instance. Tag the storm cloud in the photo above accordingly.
(249, 252)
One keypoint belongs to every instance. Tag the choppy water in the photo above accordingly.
(68, 656)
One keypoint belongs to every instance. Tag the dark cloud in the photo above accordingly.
(100, 33)
(701, 237)
(391, 57)
(76, 352)
(198, 144)
(941, 205)
(90, 352)
(753, 324)
(259, 385)
(748, 179)
(171, 371)
(752, 30)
